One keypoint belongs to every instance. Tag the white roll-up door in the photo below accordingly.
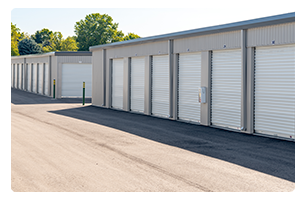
(226, 88)
(160, 86)
(12, 75)
(29, 77)
(40, 77)
(117, 83)
(274, 97)
(15, 75)
(34, 78)
(47, 80)
(19, 76)
(189, 82)
(137, 84)
(73, 76)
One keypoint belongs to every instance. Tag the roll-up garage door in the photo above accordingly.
(19, 76)
(29, 77)
(12, 75)
(274, 98)
(189, 81)
(34, 78)
(160, 86)
(73, 76)
(15, 75)
(117, 83)
(46, 79)
(40, 77)
(226, 88)
(137, 84)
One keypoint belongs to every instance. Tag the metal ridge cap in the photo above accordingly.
(199, 30)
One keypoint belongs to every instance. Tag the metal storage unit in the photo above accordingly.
(35, 73)
(73, 76)
(117, 83)
(137, 83)
(219, 59)
(40, 77)
(189, 81)
(274, 102)
(160, 86)
(226, 88)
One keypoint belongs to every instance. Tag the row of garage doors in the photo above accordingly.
(274, 88)
(31, 77)
(35, 77)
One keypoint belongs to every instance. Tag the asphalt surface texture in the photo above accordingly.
(61, 145)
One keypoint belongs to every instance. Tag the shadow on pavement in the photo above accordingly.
(270, 156)
(23, 97)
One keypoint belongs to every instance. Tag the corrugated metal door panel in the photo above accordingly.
(15, 75)
(274, 96)
(160, 86)
(117, 83)
(137, 84)
(19, 76)
(73, 76)
(189, 81)
(12, 75)
(46, 79)
(29, 77)
(226, 88)
(40, 78)
(34, 78)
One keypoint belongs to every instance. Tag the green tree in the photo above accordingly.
(58, 43)
(42, 36)
(28, 46)
(96, 29)
(69, 44)
(16, 36)
(130, 36)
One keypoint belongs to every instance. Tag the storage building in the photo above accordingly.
(36, 73)
(238, 76)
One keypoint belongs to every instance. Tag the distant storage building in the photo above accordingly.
(36, 73)
(238, 76)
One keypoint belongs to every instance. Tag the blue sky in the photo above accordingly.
(142, 21)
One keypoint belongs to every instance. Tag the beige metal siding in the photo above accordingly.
(263, 36)
(97, 78)
(43, 59)
(73, 59)
(208, 42)
(153, 48)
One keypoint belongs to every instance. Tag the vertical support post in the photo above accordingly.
(170, 53)
(243, 79)
(83, 93)
(53, 88)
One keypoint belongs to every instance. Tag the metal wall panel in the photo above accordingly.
(208, 42)
(74, 59)
(274, 97)
(12, 75)
(226, 88)
(189, 82)
(15, 75)
(40, 77)
(263, 36)
(117, 84)
(153, 48)
(97, 78)
(137, 83)
(34, 78)
(38, 59)
(160, 86)
(73, 76)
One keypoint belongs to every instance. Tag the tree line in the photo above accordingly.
(95, 29)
